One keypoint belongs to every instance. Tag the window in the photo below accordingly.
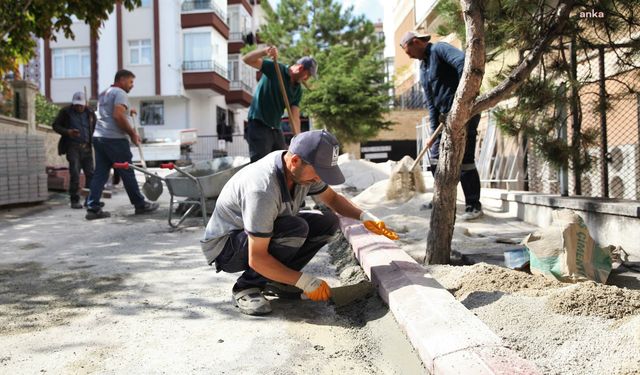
(152, 112)
(221, 116)
(140, 52)
(234, 74)
(71, 62)
(197, 47)
(145, 3)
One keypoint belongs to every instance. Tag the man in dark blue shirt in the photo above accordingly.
(440, 72)
(75, 124)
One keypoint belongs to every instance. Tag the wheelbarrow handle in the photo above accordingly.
(124, 165)
(167, 166)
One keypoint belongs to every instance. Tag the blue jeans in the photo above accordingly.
(109, 151)
(295, 241)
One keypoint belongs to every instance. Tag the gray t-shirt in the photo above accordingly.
(252, 200)
(106, 125)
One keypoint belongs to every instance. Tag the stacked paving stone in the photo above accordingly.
(22, 169)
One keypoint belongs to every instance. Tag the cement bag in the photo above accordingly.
(566, 251)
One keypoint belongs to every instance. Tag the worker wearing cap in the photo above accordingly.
(440, 72)
(257, 226)
(75, 123)
(264, 132)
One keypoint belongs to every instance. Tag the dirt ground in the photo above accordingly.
(566, 329)
(129, 295)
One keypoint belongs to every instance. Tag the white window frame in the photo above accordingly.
(136, 48)
(60, 56)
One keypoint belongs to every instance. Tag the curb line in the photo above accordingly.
(448, 337)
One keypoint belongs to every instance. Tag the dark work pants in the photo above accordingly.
(469, 177)
(295, 241)
(263, 139)
(109, 151)
(80, 157)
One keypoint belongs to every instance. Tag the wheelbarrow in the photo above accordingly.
(197, 183)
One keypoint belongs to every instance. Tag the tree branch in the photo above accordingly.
(13, 25)
(522, 71)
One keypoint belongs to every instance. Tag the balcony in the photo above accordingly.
(205, 74)
(197, 13)
(240, 94)
(246, 4)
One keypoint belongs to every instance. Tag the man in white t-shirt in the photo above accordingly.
(112, 146)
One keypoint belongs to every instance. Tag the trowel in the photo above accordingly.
(340, 295)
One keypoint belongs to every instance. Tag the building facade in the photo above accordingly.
(186, 58)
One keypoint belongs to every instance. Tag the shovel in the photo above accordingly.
(284, 93)
(152, 187)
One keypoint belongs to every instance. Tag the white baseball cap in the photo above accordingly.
(78, 98)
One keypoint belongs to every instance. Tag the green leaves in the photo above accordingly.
(22, 20)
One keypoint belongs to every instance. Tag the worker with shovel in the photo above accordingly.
(257, 226)
(111, 146)
(264, 132)
(440, 72)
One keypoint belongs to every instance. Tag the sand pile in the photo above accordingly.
(361, 174)
(590, 298)
(482, 277)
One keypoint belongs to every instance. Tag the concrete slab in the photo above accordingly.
(448, 337)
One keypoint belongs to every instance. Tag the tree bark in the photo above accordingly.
(523, 70)
(453, 141)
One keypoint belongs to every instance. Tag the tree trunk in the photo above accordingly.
(452, 145)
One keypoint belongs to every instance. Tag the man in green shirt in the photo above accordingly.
(264, 133)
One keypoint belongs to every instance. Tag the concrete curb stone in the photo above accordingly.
(448, 338)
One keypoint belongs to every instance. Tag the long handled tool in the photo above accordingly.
(152, 187)
(427, 146)
(284, 93)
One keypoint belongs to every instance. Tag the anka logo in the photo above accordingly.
(591, 14)
(336, 153)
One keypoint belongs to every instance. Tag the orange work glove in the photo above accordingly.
(377, 226)
(314, 288)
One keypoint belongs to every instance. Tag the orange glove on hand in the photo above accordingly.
(377, 226)
(314, 288)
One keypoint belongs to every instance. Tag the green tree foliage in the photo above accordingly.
(46, 111)
(23, 20)
(349, 97)
(543, 101)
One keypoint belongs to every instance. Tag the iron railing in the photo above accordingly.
(240, 85)
(204, 5)
(413, 98)
(204, 65)
(208, 147)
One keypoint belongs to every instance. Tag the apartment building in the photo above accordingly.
(186, 58)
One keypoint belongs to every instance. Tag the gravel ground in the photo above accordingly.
(129, 295)
(564, 329)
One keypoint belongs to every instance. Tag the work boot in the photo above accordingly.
(276, 289)
(471, 213)
(147, 208)
(97, 214)
(100, 204)
(251, 301)
(75, 205)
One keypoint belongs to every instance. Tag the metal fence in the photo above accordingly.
(208, 147)
(610, 105)
(206, 65)
(413, 98)
(204, 5)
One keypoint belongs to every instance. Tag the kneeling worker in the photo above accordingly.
(257, 228)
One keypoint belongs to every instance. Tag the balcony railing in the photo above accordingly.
(240, 85)
(412, 98)
(204, 65)
(235, 37)
(206, 5)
